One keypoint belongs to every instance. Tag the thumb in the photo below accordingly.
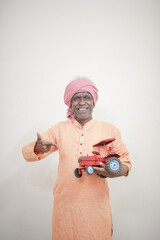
(55, 145)
(51, 144)
(39, 137)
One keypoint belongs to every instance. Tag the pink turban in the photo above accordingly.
(79, 85)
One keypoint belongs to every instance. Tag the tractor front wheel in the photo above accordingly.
(90, 169)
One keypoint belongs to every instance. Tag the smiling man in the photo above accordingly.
(81, 205)
(82, 107)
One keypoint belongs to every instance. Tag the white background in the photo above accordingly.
(45, 45)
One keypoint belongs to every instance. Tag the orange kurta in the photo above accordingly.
(81, 205)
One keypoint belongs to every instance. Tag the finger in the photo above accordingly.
(45, 148)
(100, 171)
(55, 145)
(51, 144)
(39, 137)
(102, 165)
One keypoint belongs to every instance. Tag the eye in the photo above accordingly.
(87, 97)
(76, 99)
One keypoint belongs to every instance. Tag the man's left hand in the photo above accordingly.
(103, 171)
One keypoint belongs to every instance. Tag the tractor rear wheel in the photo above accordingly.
(76, 173)
(113, 165)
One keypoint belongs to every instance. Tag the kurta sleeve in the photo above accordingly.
(121, 149)
(28, 150)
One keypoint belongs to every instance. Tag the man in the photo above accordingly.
(81, 205)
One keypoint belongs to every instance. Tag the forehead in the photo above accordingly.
(81, 94)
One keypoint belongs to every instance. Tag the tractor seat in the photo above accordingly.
(96, 153)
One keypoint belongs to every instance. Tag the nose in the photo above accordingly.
(81, 102)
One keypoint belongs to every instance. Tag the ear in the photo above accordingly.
(70, 103)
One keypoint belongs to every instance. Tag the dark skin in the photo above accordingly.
(82, 106)
(102, 171)
(42, 146)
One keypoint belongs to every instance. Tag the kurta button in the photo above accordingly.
(82, 134)
(80, 152)
(80, 143)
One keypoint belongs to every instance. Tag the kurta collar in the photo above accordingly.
(87, 125)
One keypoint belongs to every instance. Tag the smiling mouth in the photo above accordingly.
(82, 109)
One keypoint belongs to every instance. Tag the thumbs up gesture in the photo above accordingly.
(42, 146)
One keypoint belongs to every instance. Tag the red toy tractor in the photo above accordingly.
(113, 164)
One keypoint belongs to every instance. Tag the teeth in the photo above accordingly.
(82, 109)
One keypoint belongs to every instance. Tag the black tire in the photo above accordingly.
(89, 169)
(113, 165)
(101, 176)
(76, 173)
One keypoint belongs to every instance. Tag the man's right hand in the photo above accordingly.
(42, 146)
